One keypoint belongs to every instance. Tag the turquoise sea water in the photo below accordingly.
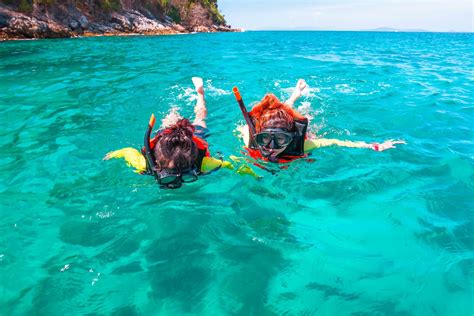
(355, 232)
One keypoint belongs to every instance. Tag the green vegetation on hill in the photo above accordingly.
(173, 8)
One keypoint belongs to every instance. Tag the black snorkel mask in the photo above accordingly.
(166, 178)
(173, 179)
(273, 141)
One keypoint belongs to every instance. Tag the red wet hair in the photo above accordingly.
(271, 113)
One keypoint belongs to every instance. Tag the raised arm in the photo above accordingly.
(300, 86)
(311, 144)
(200, 109)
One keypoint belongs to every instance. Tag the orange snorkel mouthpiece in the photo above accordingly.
(237, 93)
(151, 123)
(247, 118)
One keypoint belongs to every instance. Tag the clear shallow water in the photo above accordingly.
(353, 233)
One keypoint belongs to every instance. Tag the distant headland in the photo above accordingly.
(29, 19)
(391, 29)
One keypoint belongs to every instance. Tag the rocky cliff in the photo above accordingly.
(70, 18)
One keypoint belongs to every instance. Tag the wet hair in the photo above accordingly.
(271, 113)
(176, 145)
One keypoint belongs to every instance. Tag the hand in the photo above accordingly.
(198, 84)
(387, 144)
(297, 92)
(108, 156)
(300, 86)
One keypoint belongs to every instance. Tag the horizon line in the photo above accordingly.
(351, 30)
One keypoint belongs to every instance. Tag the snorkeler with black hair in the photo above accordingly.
(178, 153)
(276, 132)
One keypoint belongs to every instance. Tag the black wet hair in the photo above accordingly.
(176, 145)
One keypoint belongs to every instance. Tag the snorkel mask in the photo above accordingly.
(173, 179)
(273, 141)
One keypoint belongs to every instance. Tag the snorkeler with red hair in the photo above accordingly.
(178, 153)
(276, 132)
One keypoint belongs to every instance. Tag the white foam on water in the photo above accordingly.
(345, 88)
(368, 93)
(66, 267)
(96, 279)
(308, 92)
(187, 94)
(305, 109)
(214, 91)
(106, 214)
(171, 118)
(322, 57)
(286, 93)
(279, 82)
(315, 127)
(258, 240)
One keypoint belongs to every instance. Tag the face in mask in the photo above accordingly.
(273, 141)
(173, 179)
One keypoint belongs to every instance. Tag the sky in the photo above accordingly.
(431, 15)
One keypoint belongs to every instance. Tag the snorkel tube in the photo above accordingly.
(150, 161)
(247, 118)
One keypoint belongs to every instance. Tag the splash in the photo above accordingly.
(214, 91)
(344, 88)
(171, 118)
(186, 94)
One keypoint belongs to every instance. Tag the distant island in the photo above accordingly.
(312, 28)
(27, 19)
(390, 29)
